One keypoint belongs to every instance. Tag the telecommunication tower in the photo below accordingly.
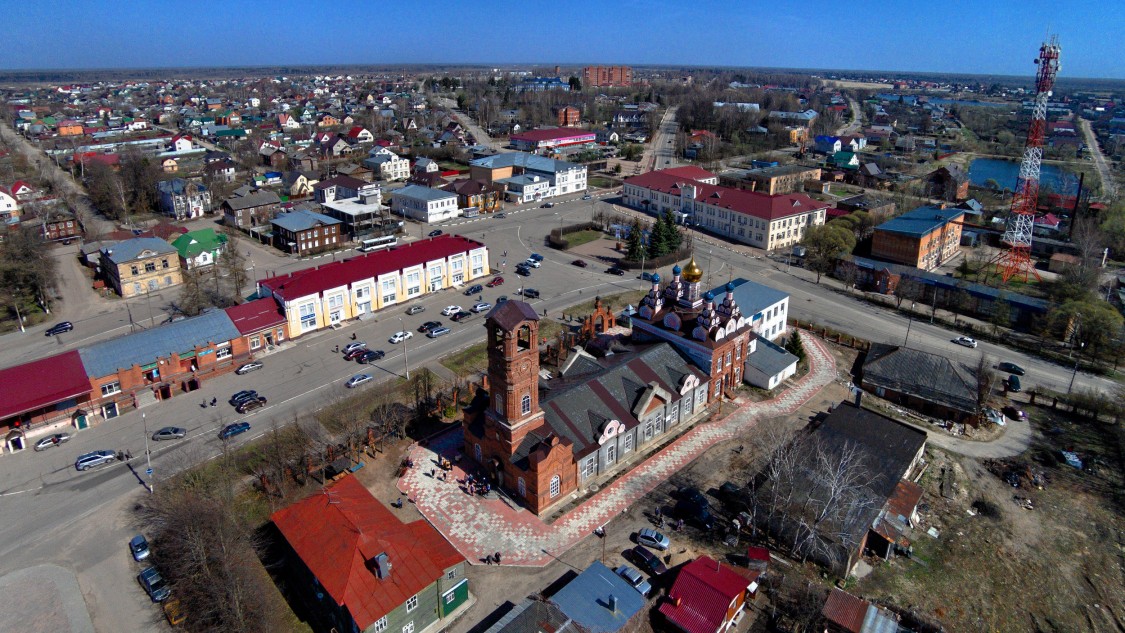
(1015, 261)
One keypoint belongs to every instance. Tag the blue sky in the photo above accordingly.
(983, 36)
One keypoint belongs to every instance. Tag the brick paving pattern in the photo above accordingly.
(479, 526)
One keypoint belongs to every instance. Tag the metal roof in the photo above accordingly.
(927, 376)
(920, 221)
(105, 358)
(418, 192)
(530, 162)
(42, 382)
(586, 599)
(534, 616)
(130, 250)
(752, 297)
(302, 220)
(770, 359)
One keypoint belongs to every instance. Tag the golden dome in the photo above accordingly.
(692, 273)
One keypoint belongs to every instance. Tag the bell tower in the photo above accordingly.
(513, 371)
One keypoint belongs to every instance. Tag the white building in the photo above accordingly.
(424, 204)
(767, 309)
(562, 177)
(391, 166)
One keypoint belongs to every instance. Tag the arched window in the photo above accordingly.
(524, 337)
(556, 484)
(525, 404)
(499, 403)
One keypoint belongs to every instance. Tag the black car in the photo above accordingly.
(616, 271)
(428, 325)
(1010, 368)
(523, 271)
(694, 507)
(646, 560)
(474, 290)
(530, 293)
(59, 328)
(247, 406)
(436, 232)
(242, 396)
(460, 316)
(371, 356)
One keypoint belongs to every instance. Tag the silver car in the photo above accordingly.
(52, 441)
(169, 433)
(635, 579)
(95, 458)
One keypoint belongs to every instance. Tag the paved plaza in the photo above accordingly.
(480, 526)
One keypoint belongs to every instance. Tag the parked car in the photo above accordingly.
(399, 337)
(245, 394)
(438, 331)
(450, 310)
(428, 325)
(231, 430)
(169, 433)
(694, 507)
(496, 281)
(967, 341)
(1014, 384)
(500, 216)
(94, 458)
(535, 257)
(51, 441)
(351, 347)
(614, 270)
(481, 307)
(138, 547)
(371, 356)
(415, 309)
(358, 380)
(635, 579)
(474, 289)
(436, 232)
(548, 205)
(1010, 368)
(587, 197)
(581, 263)
(154, 584)
(648, 561)
(651, 538)
(355, 353)
(501, 299)
(59, 328)
(532, 263)
(460, 316)
(246, 406)
(249, 367)
(523, 271)
(530, 293)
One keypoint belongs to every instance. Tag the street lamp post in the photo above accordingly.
(405, 352)
(148, 458)
(909, 322)
(1074, 373)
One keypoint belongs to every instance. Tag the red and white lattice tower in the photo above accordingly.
(1015, 261)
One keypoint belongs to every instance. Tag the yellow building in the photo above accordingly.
(320, 297)
(140, 265)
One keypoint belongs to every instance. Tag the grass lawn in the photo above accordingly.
(467, 361)
(582, 237)
(602, 183)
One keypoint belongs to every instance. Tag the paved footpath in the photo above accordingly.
(480, 526)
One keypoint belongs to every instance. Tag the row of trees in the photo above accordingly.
(127, 192)
(221, 286)
(28, 273)
(664, 238)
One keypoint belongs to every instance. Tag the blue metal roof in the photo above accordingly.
(532, 162)
(751, 297)
(920, 221)
(129, 250)
(586, 599)
(302, 220)
(418, 192)
(770, 359)
(142, 348)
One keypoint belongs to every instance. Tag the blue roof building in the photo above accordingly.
(925, 237)
(304, 232)
(144, 348)
(599, 600)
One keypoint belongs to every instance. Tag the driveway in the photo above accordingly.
(1015, 440)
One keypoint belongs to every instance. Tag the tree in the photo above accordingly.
(635, 248)
(657, 239)
(673, 239)
(233, 265)
(192, 297)
(824, 245)
(908, 289)
(986, 380)
(28, 272)
(575, 84)
(1001, 317)
(1085, 323)
(794, 346)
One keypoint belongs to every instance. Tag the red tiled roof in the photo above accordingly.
(255, 316)
(320, 278)
(551, 134)
(755, 203)
(42, 382)
(339, 532)
(845, 610)
(700, 596)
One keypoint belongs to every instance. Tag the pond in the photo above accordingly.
(1005, 172)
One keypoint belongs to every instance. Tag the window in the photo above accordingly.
(164, 263)
(556, 484)
(223, 352)
(150, 267)
(411, 604)
(451, 574)
(111, 388)
(413, 284)
(718, 388)
(628, 443)
(381, 624)
(308, 316)
(135, 270)
(255, 342)
(389, 291)
(499, 403)
(409, 626)
(525, 404)
(476, 452)
(738, 351)
(610, 454)
(478, 265)
(521, 487)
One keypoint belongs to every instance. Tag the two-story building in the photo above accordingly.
(320, 297)
(361, 568)
(182, 199)
(387, 164)
(562, 177)
(424, 204)
(251, 210)
(748, 217)
(140, 265)
(477, 194)
(305, 232)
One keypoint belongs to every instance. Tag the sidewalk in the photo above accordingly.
(479, 526)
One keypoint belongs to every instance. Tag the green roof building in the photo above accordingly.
(200, 248)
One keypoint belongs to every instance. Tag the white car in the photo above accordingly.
(351, 347)
(533, 263)
(402, 336)
(967, 341)
(358, 380)
(450, 310)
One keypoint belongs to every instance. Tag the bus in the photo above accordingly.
(377, 243)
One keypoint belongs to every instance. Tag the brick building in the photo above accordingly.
(601, 76)
(925, 238)
(777, 180)
(567, 116)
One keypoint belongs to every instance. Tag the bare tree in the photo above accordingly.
(986, 380)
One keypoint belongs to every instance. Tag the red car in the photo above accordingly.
(581, 263)
(496, 281)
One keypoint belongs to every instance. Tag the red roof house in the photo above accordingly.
(707, 596)
(43, 388)
(367, 561)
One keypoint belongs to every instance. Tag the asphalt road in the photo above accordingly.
(53, 514)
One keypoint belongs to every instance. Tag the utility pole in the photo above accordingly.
(909, 322)
(405, 352)
(148, 458)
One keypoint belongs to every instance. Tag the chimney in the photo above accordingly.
(382, 566)
(613, 603)
(858, 398)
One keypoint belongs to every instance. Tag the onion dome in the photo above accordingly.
(693, 273)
